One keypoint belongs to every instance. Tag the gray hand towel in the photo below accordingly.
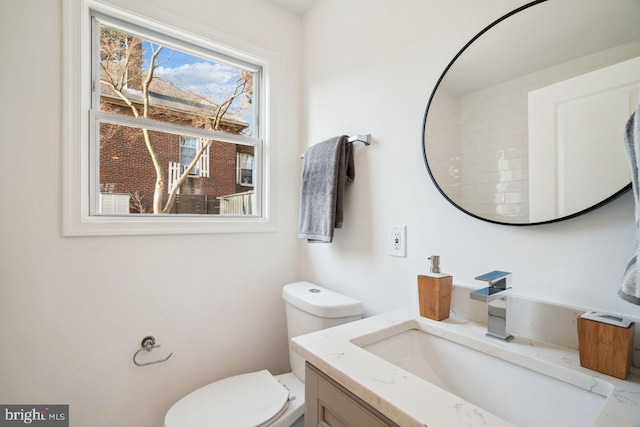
(630, 288)
(328, 166)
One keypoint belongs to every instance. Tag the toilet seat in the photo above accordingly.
(254, 399)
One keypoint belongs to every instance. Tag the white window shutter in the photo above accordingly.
(106, 203)
(238, 168)
(203, 162)
(114, 203)
(122, 203)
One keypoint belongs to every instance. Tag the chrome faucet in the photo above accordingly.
(495, 295)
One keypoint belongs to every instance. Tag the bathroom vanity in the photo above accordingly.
(401, 369)
(330, 404)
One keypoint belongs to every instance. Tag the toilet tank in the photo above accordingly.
(312, 308)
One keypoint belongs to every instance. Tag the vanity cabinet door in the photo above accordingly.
(328, 404)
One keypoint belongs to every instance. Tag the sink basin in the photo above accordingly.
(517, 394)
(419, 372)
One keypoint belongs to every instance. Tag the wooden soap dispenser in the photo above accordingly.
(434, 292)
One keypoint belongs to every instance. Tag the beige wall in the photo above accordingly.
(74, 310)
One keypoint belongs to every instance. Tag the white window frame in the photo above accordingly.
(79, 122)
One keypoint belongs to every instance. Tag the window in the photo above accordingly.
(176, 126)
(189, 148)
(245, 169)
(139, 74)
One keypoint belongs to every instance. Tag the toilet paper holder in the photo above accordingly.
(148, 344)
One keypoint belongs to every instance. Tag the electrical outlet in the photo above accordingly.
(397, 238)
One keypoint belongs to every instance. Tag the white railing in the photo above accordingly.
(173, 175)
(238, 204)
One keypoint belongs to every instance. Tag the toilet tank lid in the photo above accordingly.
(320, 301)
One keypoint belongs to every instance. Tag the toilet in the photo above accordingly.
(259, 399)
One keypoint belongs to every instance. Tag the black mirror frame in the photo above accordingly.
(424, 123)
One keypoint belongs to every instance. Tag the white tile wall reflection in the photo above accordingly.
(494, 160)
(445, 143)
(488, 173)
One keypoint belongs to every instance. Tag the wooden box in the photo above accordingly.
(434, 296)
(605, 348)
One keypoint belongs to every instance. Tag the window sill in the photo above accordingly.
(114, 225)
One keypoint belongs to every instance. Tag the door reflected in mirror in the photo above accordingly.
(526, 125)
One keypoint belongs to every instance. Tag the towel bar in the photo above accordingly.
(365, 139)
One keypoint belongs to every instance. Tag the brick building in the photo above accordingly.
(222, 181)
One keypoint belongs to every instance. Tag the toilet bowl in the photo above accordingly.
(260, 399)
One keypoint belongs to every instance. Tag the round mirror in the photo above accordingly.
(526, 124)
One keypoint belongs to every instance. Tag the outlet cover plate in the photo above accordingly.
(397, 240)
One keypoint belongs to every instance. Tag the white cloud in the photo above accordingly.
(205, 78)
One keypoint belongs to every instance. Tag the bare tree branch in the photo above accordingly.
(123, 97)
(137, 203)
(147, 81)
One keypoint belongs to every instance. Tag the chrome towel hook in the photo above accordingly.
(148, 344)
(365, 139)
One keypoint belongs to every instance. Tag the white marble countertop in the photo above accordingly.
(412, 401)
